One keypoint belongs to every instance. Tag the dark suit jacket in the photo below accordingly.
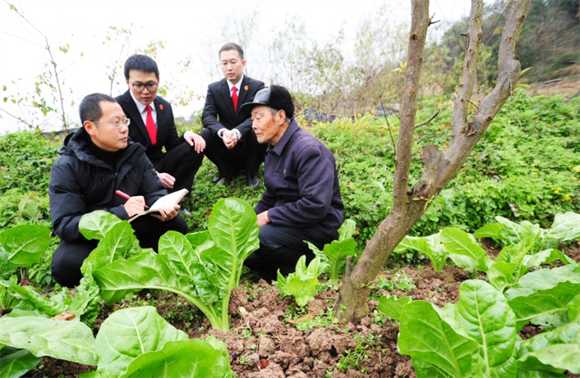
(166, 129)
(218, 111)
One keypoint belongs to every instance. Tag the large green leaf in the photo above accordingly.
(176, 247)
(424, 369)
(65, 340)
(429, 245)
(501, 274)
(48, 306)
(546, 257)
(393, 307)
(542, 296)
(96, 224)
(558, 356)
(424, 335)
(510, 234)
(491, 230)
(565, 227)
(128, 334)
(567, 334)
(484, 314)
(337, 252)
(233, 228)
(7, 300)
(149, 270)
(22, 246)
(346, 230)
(574, 308)
(115, 244)
(15, 362)
(188, 359)
(464, 252)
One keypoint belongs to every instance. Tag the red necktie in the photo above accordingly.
(235, 98)
(151, 129)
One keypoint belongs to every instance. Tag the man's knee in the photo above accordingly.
(67, 261)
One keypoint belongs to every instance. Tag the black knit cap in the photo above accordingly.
(274, 96)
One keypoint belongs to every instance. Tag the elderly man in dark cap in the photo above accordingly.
(302, 200)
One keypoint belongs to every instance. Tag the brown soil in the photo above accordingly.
(262, 332)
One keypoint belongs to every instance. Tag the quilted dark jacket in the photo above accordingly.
(81, 183)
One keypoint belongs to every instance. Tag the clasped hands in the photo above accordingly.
(230, 138)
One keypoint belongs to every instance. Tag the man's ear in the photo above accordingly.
(89, 127)
(282, 116)
(244, 62)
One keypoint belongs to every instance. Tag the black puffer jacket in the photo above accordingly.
(81, 183)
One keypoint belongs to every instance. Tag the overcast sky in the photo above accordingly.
(188, 30)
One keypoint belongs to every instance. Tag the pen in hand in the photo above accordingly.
(126, 196)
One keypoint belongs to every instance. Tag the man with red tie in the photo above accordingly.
(231, 142)
(153, 126)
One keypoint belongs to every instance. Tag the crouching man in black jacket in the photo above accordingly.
(96, 161)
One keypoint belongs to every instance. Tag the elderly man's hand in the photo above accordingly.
(263, 218)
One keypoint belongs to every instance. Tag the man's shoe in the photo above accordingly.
(253, 182)
(223, 181)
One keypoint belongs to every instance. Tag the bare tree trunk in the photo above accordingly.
(409, 204)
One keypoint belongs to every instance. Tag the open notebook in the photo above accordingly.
(170, 200)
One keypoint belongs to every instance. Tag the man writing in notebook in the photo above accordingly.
(95, 162)
(153, 126)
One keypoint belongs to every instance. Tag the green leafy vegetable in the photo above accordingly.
(67, 340)
(336, 252)
(393, 307)
(542, 297)
(15, 362)
(429, 245)
(303, 283)
(204, 273)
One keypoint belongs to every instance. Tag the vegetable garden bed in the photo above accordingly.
(267, 327)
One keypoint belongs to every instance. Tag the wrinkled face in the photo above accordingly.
(268, 127)
(143, 86)
(232, 65)
(110, 132)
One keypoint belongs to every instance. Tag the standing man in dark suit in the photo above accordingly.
(231, 142)
(153, 126)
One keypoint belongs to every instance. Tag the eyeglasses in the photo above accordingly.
(117, 124)
(140, 87)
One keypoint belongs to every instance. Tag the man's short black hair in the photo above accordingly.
(90, 107)
(141, 63)
(232, 46)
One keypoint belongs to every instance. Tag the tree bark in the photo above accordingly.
(410, 204)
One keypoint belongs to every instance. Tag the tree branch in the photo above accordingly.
(460, 109)
(429, 120)
(18, 118)
(389, 126)
(508, 74)
(419, 25)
